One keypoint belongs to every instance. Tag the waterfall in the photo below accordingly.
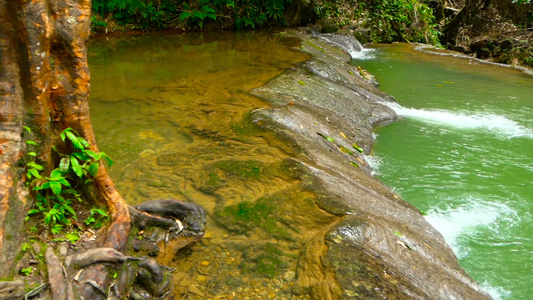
(347, 42)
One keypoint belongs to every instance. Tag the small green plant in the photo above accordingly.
(26, 246)
(27, 271)
(96, 217)
(72, 237)
(56, 191)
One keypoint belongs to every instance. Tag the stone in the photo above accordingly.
(289, 276)
(36, 247)
(194, 290)
(63, 250)
(204, 263)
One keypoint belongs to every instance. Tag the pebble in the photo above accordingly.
(63, 250)
(36, 248)
(205, 263)
(289, 276)
(193, 289)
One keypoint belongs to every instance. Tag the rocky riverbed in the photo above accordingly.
(371, 244)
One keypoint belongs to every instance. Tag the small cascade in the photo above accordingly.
(490, 122)
(347, 42)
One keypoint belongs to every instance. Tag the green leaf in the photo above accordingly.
(184, 15)
(83, 142)
(93, 168)
(76, 167)
(71, 237)
(33, 211)
(70, 210)
(32, 154)
(35, 173)
(99, 211)
(63, 134)
(64, 164)
(56, 175)
(354, 164)
(56, 228)
(47, 218)
(31, 143)
(92, 154)
(64, 182)
(35, 165)
(107, 159)
(44, 186)
(27, 271)
(56, 187)
(357, 148)
(28, 129)
(74, 140)
(397, 233)
(326, 137)
(40, 199)
(81, 156)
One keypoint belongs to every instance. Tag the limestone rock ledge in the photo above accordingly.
(379, 247)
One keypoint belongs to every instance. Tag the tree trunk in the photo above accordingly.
(44, 84)
(471, 9)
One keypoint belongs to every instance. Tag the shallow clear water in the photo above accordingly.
(463, 154)
(173, 111)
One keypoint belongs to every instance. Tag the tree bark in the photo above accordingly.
(471, 9)
(44, 84)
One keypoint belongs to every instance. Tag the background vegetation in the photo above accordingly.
(450, 23)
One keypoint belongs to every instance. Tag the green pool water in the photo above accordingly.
(463, 154)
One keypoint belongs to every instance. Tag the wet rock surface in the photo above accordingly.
(377, 246)
(289, 203)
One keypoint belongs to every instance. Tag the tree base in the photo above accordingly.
(160, 228)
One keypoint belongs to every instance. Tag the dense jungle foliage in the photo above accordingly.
(404, 20)
(149, 14)
(461, 22)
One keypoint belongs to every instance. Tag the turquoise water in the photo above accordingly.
(463, 154)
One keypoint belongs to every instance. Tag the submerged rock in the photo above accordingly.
(376, 246)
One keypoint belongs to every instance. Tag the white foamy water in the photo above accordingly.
(497, 293)
(364, 54)
(465, 219)
(374, 162)
(348, 43)
(490, 122)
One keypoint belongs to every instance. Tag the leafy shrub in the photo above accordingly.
(141, 14)
(148, 14)
(388, 20)
(55, 192)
